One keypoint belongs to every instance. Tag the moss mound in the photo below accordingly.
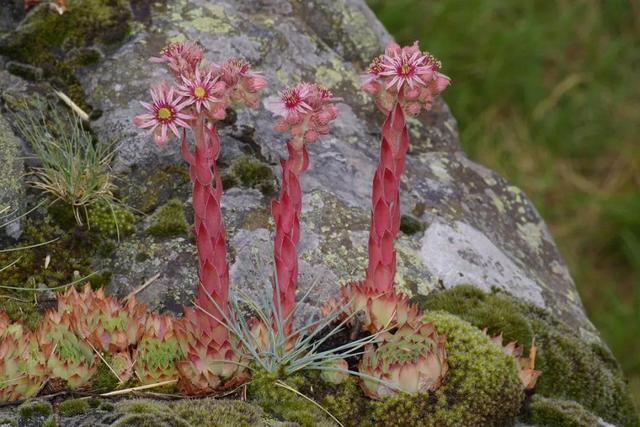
(111, 221)
(35, 409)
(221, 413)
(559, 413)
(248, 171)
(169, 220)
(73, 407)
(266, 390)
(482, 388)
(571, 369)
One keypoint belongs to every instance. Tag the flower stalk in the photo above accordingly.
(306, 112)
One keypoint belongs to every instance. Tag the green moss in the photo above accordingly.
(104, 380)
(142, 406)
(21, 311)
(571, 369)
(150, 420)
(248, 171)
(111, 220)
(559, 413)
(409, 225)
(55, 42)
(284, 404)
(220, 413)
(482, 387)
(37, 408)
(50, 422)
(8, 421)
(69, 251)
(169, 220)
(345, 401)
(73, 407)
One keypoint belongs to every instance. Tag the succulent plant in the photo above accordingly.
(68, 357)
(412, 359)
(158, 351)
(526, 365)
(103, 320)
(122, 366)
(22, 366)
(381, 309)
(213, 357)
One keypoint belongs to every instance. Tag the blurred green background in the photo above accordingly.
(547, 92)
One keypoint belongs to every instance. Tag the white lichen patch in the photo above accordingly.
(533, 234)
(460, 254)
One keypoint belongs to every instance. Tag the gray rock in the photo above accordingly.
(11, 184)
(479, 229)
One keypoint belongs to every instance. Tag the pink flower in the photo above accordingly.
(406, 75)
(183, 58)
(291, 103)
(404, 69)
(164, 113)
(201, 90)
(306, 111)
(242, 84)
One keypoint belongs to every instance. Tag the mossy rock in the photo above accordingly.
(73, 407)
(34, 410)
(482, 387)
(247, 171)
(559, 413)
(571, 368)
(169, 220)
(58, 43)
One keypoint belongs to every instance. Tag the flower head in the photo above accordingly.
(306, 110)
(183, 58)
(164, 113)
(201, 90)
(407, 75)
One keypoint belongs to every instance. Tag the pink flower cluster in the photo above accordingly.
(407, 75)
(306, 110)
(201, 90)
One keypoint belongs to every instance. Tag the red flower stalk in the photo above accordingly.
(402, 80)
(306, 111)
(198, 101)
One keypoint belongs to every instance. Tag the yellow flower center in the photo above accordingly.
(405, 69)
(199, 92)
(164, 113)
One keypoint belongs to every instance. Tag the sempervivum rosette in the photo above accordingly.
(103, 320)
(526, 365)
(381, 310)
(158, 351)
(213, 357)
(68, 357)
(412, 359)
(22, 367)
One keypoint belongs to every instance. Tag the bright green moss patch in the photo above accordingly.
(571, 369)
(73, 407)
(111, 220)
(169, 220)
(284, 404)
(35, 408)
